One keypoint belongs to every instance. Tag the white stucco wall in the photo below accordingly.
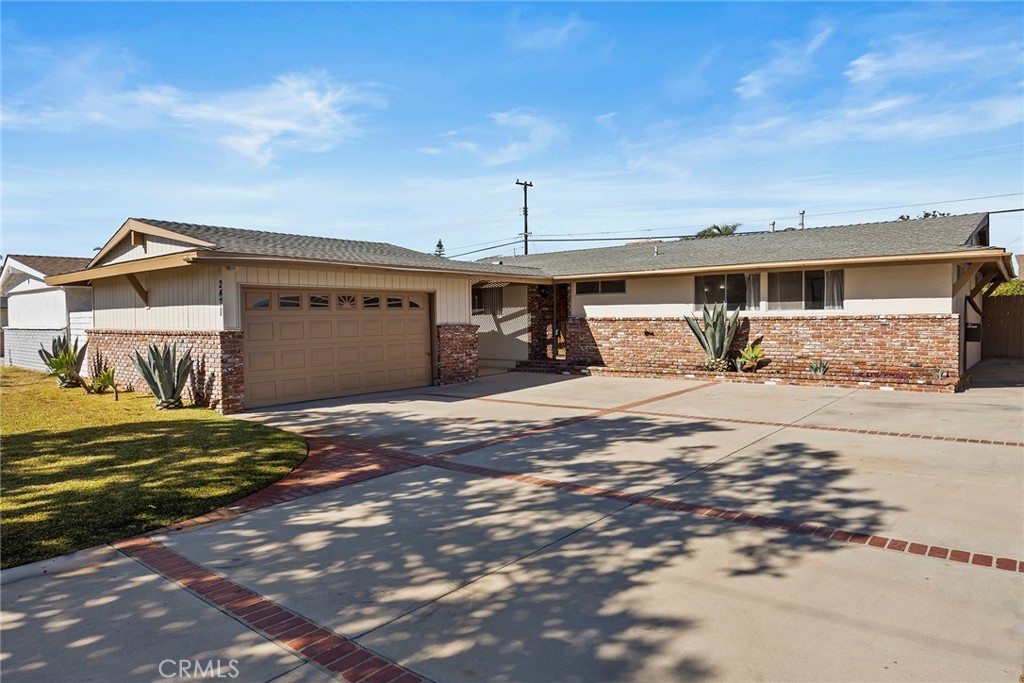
(36, 307)
(899, 289)
(668, 296)
(504, 338)
(868, 291)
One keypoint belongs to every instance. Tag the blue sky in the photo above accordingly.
(411, 122)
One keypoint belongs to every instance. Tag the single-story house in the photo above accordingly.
(36, 312)
(277, 318)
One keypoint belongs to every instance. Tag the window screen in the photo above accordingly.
(488, 301)
(785, 291)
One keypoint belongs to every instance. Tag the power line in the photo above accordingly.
(914, 206)
(477, 251)
(583, 235)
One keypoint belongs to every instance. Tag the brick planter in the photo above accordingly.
(889, 350)
(458, 353)
(217, 379)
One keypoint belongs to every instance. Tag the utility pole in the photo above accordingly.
(526, 225)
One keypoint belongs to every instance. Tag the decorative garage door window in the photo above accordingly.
(322, 301)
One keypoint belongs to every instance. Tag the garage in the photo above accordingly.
(304, 344)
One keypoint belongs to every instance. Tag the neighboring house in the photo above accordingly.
(3, 322)
(275, 318)
(37, 312)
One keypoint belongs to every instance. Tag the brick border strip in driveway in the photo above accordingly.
(631, 408)
(344, 659)
(726, 515)
(330, 464)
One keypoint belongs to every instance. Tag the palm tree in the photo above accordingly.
(718, 230)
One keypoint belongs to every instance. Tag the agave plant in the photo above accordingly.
(716, 336)
(65, 361)
(165, 374)
(818, 368)
(103, 380)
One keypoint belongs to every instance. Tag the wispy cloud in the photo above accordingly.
(791, 60)
(301, 111)
(607, 121)
(552, 35)
(903, 118)
(916, 56)
(533, 133)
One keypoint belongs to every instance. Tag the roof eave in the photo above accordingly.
(992, 254)
(238, 258)
(82, 277)
(140, 226)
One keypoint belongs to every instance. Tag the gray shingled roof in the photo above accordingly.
(892, 238)
(276, 244)
(51, 265)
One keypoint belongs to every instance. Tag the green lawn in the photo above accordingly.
(78, 470)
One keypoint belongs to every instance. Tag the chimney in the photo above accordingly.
(773, 226)
(801, 219)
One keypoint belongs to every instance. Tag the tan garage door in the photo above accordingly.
(306, 344)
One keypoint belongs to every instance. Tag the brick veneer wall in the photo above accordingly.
(903, 346)
(541, 317)
(218, 366)
(458, 353)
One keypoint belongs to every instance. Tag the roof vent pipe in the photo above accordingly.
(773, 226)
(801, 219)
(655, 249)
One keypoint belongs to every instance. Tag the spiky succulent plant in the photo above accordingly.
(165, 374)
(716, 336)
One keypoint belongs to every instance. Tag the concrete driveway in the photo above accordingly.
(549, 528)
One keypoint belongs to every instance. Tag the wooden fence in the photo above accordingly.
(1002, 334)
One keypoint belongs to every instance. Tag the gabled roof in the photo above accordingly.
(49, 265)
(926, 236)
(329, 249)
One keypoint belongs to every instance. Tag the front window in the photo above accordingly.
(732, 289)
(810, 290)
(601, 287)
(488, 300)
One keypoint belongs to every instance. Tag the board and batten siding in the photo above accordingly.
(184, 298)
(154, 246)
(207, 296)
(451, 294)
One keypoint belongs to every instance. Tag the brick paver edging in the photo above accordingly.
(344, 659)
(328, 465)
(726, 515)
(631, 409)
